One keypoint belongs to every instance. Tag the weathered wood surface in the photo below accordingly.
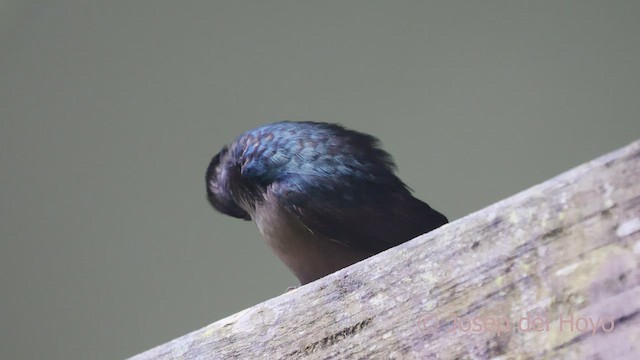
(566, 251)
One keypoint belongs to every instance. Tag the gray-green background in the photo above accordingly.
(111, 110)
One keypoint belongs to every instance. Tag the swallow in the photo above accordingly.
(323, 197)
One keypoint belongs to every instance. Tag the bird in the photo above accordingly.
(323, 197)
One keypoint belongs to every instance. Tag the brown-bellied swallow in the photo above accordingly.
(323, 196)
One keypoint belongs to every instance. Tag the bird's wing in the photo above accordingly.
(369, 218)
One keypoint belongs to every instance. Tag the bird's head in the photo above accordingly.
(220, 178)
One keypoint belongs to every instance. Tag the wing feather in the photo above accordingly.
(371, 223)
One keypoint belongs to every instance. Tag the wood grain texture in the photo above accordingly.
(564, 253)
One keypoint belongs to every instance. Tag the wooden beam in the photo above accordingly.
(552, 272)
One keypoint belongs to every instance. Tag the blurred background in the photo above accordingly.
(110, 112)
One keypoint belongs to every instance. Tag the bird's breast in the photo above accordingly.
(308, 255)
